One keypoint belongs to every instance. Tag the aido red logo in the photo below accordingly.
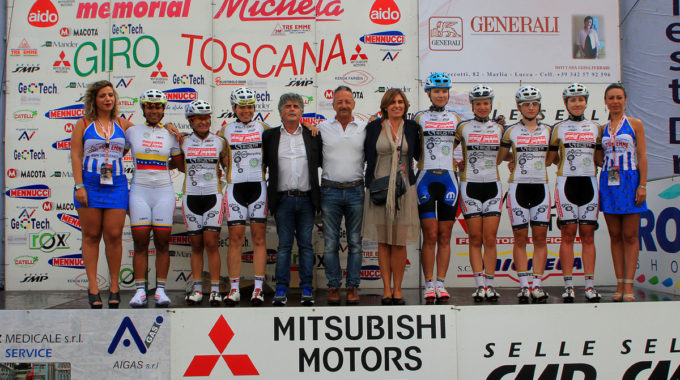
(221, 334)
(43, 14)
(384, 12)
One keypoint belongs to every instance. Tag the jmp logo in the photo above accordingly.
(142, 344)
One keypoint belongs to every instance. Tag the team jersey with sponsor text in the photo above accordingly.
(151, 147)
(480, 141)
(576, 142)
(439, 133)
(529, 150)
(244, 141)
(202, 159)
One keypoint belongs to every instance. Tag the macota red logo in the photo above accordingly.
(384, 12)
(43, 14)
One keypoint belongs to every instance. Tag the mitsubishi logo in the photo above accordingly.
(358, 54)
(62, 61)
(221, 334)
(160, 71)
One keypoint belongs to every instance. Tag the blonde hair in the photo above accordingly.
(90, 99)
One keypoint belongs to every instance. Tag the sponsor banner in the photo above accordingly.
(652, 84)
(129, 344)
(463, 31)
(310, 343)
(606, 346)
(659, 260)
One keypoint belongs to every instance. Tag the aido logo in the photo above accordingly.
(384, 12)
(221, 334)
(142, 345)
(43, 14)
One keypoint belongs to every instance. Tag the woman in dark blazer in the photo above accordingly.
(393, 224)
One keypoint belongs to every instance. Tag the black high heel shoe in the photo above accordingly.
(114, 300)
(95, 300)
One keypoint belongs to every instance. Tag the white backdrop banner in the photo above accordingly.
(307, 343)
(507, 41)
(651, 42)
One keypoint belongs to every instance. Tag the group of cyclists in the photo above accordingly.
(443, 184)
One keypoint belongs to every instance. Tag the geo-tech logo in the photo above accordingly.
(143, 345)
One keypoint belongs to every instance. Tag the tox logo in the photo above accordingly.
(127, 326)
(48, 241)
(43, 14)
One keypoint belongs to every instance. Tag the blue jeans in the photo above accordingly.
(334, 204)
(294, 218)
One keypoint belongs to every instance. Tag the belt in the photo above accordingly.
(294, 193)
(341, 185)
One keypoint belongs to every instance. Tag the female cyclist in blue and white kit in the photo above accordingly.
(623, 188)
(575, 148)
(437, 185)
(480, 189)
(246, 195)
(100, 192)
(203, 153)
(152, 197)
(528, 201)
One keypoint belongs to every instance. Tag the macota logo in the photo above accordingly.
(384, 12)
(43, 14)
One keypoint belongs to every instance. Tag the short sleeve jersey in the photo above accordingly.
(202, 159)
(529, 150)
(244, 141)
(151, 147)
(481, 142)
(576, 142)
(439, 132)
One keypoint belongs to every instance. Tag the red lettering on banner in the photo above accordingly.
(477, 138)
(515, 24)
(128, 9)
(384, 12)
(43, 14)
(284, 10)
(290, 58)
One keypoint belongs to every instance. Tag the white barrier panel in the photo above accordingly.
(659, 260)
(98, 344)
(507, 33)
(607, 341)
(306, 343)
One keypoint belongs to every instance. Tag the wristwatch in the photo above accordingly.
(78, 186)
(643, 187)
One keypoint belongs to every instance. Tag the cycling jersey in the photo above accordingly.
(528, 203)
(95, 151)
(481, 142)
(245, 145)
(529, 150)
(576, 142)
(439, 132)
(151, 147)
(202, 159)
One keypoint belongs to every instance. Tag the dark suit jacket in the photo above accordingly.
(413, 139)
(270, 157)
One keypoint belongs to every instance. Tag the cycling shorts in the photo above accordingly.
(437, 194)
(152, 207)
(528, 203)
(246, 200)
(202, 213)
(481, 199)
(576, 200)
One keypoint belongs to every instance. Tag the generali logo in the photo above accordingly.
(43, 14)
(384, 12)
(319, 10)
(239, 364)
